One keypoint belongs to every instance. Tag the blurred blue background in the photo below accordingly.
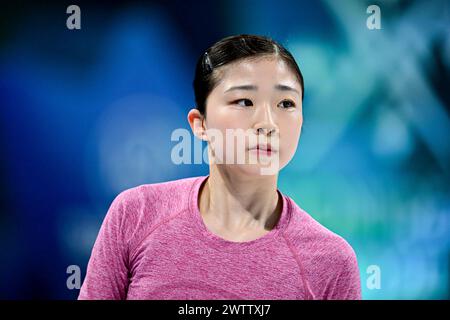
(85, 114)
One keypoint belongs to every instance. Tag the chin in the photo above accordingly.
(256, 170)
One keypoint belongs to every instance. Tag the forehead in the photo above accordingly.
(262, 70)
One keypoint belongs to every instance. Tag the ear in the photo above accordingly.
(196, 121)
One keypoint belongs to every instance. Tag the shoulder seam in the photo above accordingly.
(307, 289)
(171, 217)
(132, 254)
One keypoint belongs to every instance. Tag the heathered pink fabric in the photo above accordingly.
(153, 244)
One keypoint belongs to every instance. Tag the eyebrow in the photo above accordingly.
(280, 87)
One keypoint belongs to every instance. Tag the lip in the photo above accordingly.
(262, 148)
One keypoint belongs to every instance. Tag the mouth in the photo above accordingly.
(263, 149)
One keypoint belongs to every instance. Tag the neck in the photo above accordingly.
(237, 202)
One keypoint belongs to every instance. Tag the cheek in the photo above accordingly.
(289, 134)
(223, 118)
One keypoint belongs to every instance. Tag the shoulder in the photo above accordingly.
(319, 244)
(136, 209)
(328, 260)
(173, 193)
(162, 190)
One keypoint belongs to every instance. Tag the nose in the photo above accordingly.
(265, 124)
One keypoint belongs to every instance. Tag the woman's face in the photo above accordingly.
(262, 98)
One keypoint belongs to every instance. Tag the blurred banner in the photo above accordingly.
(88, 106)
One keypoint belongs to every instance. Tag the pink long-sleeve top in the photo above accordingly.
(153, 244)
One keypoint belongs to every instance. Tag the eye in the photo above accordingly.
(244, 102)
(286, 104)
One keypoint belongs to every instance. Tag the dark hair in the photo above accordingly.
(230, 49)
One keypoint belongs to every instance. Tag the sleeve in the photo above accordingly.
(347, 284)
(107, 270)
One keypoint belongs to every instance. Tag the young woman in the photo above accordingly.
(231, 234)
